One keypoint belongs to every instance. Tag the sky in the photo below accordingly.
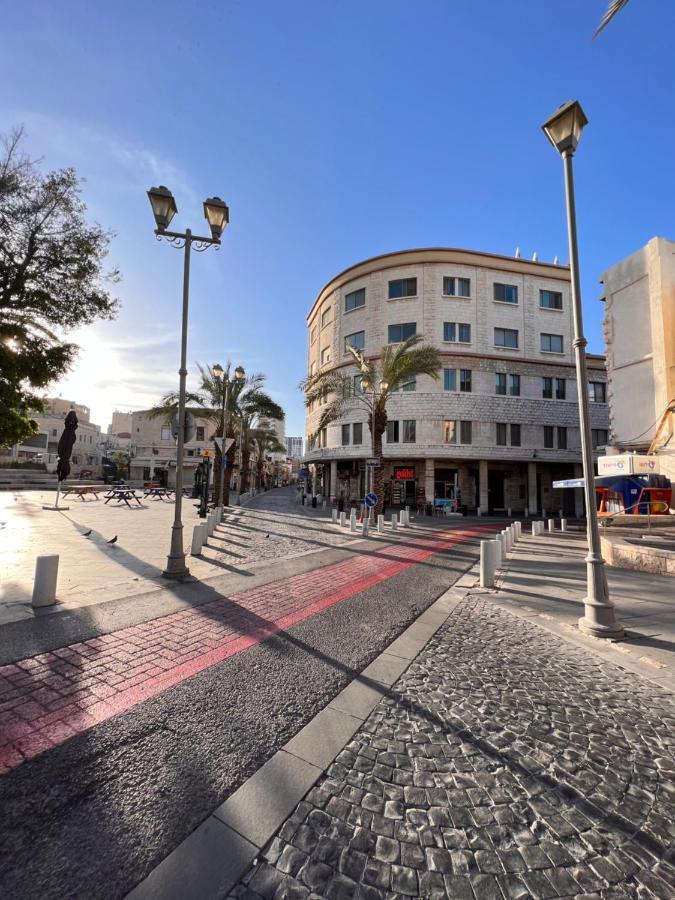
(335, 132)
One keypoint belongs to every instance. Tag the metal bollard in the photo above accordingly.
(343, 519)
(352, 520)
(380, 524)
(196, 548)
(497, 551)
(46, 574)
(334, 515)
(487, 571)
(551, 524)
(563, 524)
(394, 521)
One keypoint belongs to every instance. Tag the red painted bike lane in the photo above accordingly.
(46, 699)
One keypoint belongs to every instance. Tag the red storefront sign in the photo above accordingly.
(402, 473)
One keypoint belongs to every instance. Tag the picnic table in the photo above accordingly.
(157, 492)
(122, 494)
(82, 490)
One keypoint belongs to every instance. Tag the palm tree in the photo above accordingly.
(264, 440)
(247, 403)
(613, 8)
(396, 365)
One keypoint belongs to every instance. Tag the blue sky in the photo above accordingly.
(335, 131)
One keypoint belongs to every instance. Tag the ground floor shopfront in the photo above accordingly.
(493, 487)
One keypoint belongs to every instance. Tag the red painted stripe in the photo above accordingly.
(48, 698)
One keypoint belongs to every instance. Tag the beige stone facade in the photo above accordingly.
(639, 330)
(503, 458)
(153, 449)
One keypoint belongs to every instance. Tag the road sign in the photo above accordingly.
(207, 454)
(228, 443)
(371, 500)
(372, 463)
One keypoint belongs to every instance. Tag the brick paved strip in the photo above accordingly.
(46, 699)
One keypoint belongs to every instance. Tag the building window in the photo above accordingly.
(562, 437)
(325, 356)
(326, 317)
(515, 435)
(392, 432)
(501, 434)
(355, 299)
(449, 379)
(410, 384)
(500, 383)
(464, 432)
(357, 340)
(465, 381)
(548, 437)
(514, 385)
(551, 343)
(199, 433)
(599, 437)
(456, 287)
(597, 392)
(457, 332)
(409, 431)
(399, 333)
(560, 389)
(550, 299)
(402, 287)
(506, 337)
(358, 385)
(166, 433)
(449, 431)
(505, 293)
(357, 433)
(312, 335)
(547, 388)
(345, 435)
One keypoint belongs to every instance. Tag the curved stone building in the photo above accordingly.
(501, 423)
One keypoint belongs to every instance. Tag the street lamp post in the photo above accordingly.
(217, 215)
(563, 129)
(239, 375)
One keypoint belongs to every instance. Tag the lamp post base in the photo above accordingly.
(599, 619)
(175, 561)
(597, 628)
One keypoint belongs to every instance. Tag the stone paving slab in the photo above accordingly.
(504, 763)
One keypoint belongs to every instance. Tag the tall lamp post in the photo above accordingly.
(217, 215)
(239, 375)
(563, 129)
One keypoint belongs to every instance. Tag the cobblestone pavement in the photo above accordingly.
(505, 763)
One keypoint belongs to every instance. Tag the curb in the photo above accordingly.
(211, 860)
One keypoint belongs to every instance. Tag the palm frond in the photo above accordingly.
(613, 8)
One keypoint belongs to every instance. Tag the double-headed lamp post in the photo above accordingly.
(563, 129)
(239, 375)
(217, 215)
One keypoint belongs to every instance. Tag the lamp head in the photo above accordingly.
(163, 206)
(384, 385)
(217, 215)
(239, 373)
(217, 370)
(564, 127)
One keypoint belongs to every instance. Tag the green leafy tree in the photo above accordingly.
(263, 441)
(51, 280)
(379, 378)
(247, 404)
(613, 8)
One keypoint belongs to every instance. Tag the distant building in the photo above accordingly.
(639, 331)
(121, 423)
(153, 449)
(279, 428)
(293, 447)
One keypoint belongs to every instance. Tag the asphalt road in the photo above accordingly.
(91, 817)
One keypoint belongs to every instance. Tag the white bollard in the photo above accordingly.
(352, 520)
(380, 524)
(551, 524)
(501, 540)
(487, 568)
(505, 541)
(205, 533)
(560, 513)
(479, 512)
(563, 524)
(210, 523)
(46, 573)
(497, 552)
(196, 548)
(343, 519)
(323, 505)
(519, 529)
(334, 515)
(394, 521)
(514, 534)
(541, 525)
(535, 530)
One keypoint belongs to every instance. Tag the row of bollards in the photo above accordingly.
(204, 530)
(493, 553)
(539, 526)
(397, 520)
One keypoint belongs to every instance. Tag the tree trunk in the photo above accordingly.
(378, 478)
(217, 473)
(229, 456)
(243, 475)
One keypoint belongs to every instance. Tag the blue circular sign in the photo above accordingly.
(371, 501)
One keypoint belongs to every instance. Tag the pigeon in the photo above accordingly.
(267, 535)
(113, 540)
(87, 533)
